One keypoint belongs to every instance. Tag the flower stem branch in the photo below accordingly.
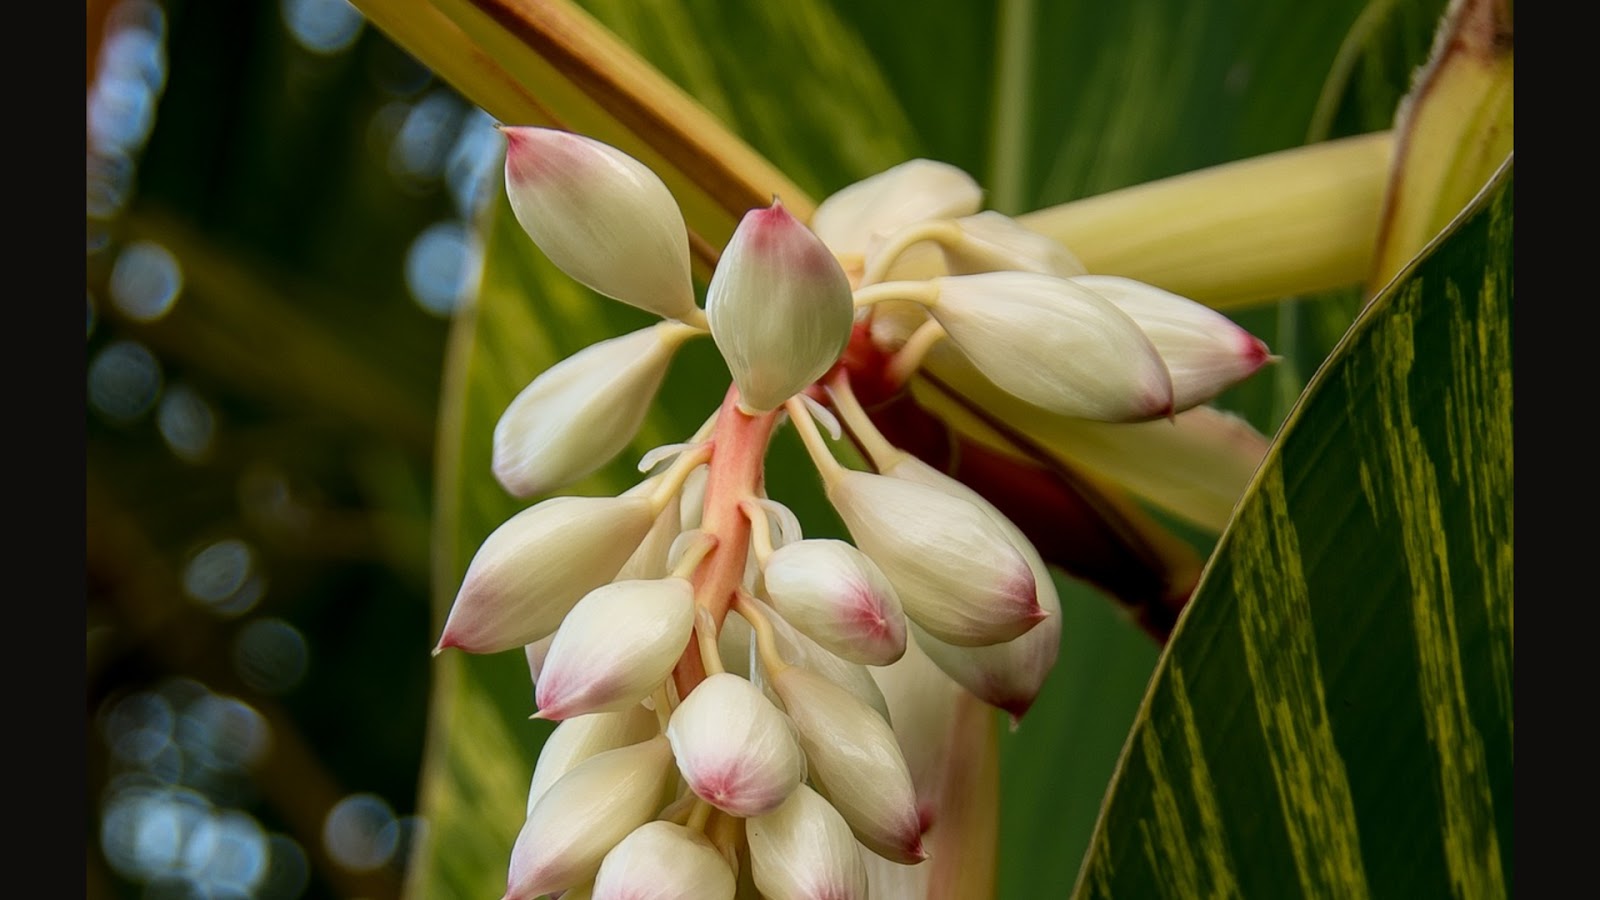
(735, 475)
(766, 639)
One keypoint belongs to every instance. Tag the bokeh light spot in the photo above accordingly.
(145, 281)
(109, 178)
(223, 578)
(359, 832)
(270, 655)
(143, 830)
(425, 137)
(288, 870)
(124, 380)
(227, 852)
(187, 423)
(322, 26)
(442, 264)
(138, 727)
(223, 732)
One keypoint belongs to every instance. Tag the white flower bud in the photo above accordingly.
(586, 813)
(914, 190)
(581, 737)
(580, 413)
(803, 850)
(1205, 352)
(839, 598)
(855, 763)
(1055, 344)
(736, 750)
(602, 218)
(993, 242)
(779, 306)
(650, 559)
(664, 861)
(616, 646)
(1010, 674)
(536, 652)
(735, 646)
(532, 569)
(956, 571)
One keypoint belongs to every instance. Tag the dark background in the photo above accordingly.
(276, 199)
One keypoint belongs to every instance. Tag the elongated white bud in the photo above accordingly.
(1010, 674)
(602, 218)
(586, 813)
(615, 647)
(993, 242)
(1205, 352)
(1055, 344)
(735, 749)
(956, 571)
(650, 559)
(735, 644)
(839, 598)
(855, 763)
(531, 570)
(581, 737)
(580, 413)
(804, 850)
(914, 190)
(664, 861)
(536, 652)
(779, 307)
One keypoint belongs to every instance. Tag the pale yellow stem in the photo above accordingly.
(821, 456)
(882, 453)
(705, 631)
(908, 358)
(766, 638)
(920, 292)
(760, 530)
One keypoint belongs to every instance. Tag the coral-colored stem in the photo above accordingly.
(739, 449)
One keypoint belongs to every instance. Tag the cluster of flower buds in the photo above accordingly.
(709, 666)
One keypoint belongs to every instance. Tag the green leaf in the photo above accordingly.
(831, 93)
(1334, 714)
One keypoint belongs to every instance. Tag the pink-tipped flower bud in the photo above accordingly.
(530, 571)
(735, 749)
(1205, 352)
(585, 814)
(602, 218)
(581, 737)
(616, 646)
(1055, 344)
(803, 850)
(664, 861)
(779, 307)
(911, 192)
(735, 646)
(580, 413)
(1008, 675)
(839, 598)
(957, 573)
(993, 242)
(855, 763)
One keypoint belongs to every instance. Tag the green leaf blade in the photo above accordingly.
(1345, 669)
